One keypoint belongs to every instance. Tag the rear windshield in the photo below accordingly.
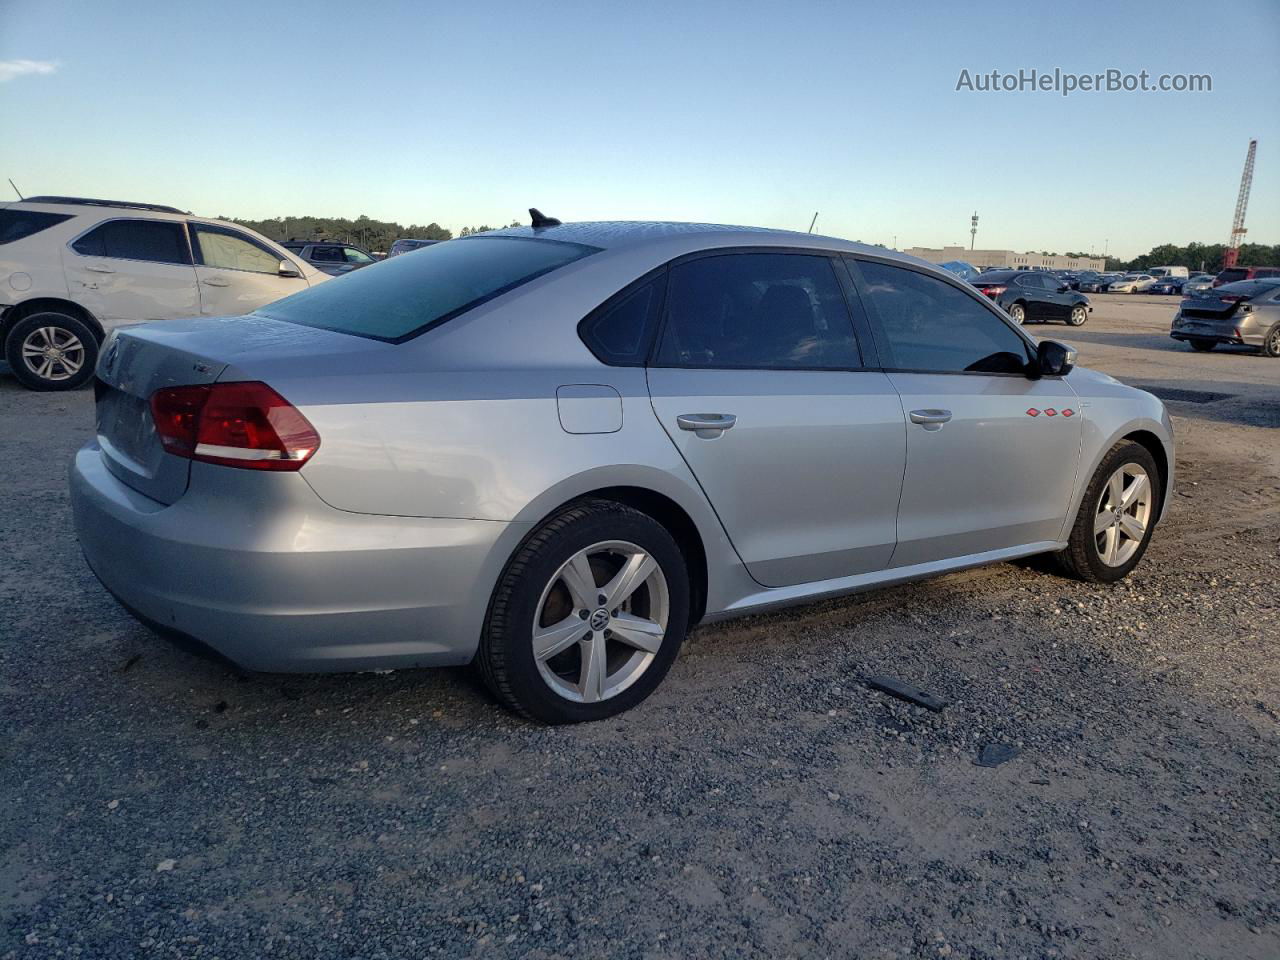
(19, 224)
(398, 299)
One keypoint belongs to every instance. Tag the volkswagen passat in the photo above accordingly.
(552, 449)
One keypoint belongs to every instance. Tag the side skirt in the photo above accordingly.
(775, 597)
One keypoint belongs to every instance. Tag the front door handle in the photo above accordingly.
(706, 425)
(216, 282)
(930, 417)
(99, 268)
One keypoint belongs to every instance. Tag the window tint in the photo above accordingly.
(404, 296)
(19, 224)
(757, 311)
(926, 324)
(352, 255)
(326, 255)
(621, 332)
(230, 250)
(157, 241)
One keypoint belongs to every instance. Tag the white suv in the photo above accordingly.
(71, 269)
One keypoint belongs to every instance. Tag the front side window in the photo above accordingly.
(231, 250)
(352, 255)
(925, 324)
(155, 241)
(20, 224)
(762, 311)
(404, 296)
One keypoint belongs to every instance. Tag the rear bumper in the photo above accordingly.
(1237, 330)
(260, 570)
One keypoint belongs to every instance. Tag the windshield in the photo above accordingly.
(398, 299)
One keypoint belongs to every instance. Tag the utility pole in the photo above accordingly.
(973, 229)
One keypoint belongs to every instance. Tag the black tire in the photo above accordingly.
(1202, 345)
(65, 326)
(1271, 342)
(1077, 316)
(505, 657)
(1080, 559)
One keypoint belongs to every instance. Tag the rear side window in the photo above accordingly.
(20, 224)
(155, 241)
(1231, 274)
(227, 249)
(326, 255)
(757, 311)
(401, 297)
(925, 324)
(621, 332)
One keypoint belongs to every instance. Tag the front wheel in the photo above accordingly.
(1116, 518)
(588, 615)
(1202, 345)
(51, 350)
(1078, 316)
(1019, 314)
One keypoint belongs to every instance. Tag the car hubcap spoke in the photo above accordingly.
(1123, 515)
(600, 621)
(53, 353)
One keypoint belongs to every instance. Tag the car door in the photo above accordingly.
(130, 269)
(991, 454)
(236, 273)
(1057, 301)
(758, 380)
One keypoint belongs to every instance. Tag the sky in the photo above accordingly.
(736, 112)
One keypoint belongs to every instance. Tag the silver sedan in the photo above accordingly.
(552, 450)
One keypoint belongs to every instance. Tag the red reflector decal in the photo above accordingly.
(1050, 412)
(1068, 412)
(1033, 412)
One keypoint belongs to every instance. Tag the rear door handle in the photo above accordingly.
(706, 424)
(930, 416)
(216, 282)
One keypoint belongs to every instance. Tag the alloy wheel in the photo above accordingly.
(1077, 316)
(1018, 313)
(1272, 348)
(53, 353)
(600, 621)
(1123, 515)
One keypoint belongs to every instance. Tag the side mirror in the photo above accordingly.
(1054, 359)
(287, 269)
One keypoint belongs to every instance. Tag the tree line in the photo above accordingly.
(1199, 256)
(374, 235)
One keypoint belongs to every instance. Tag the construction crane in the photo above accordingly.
(1232, 253)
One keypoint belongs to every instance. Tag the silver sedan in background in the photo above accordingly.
(551, 450)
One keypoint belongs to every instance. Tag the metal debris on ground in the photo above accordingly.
(904, 691)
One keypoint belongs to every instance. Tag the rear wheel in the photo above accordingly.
(1271, 343)
(1078, 316)
(1117, 516)
(51, 350)
(588, 616)
(1202, 344)
(1019, 313)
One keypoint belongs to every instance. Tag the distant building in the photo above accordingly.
(1009, 259)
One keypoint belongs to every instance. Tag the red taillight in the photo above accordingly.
(234, 424)
(1232, 297)
(993, 291)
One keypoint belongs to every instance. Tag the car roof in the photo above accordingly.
(632, 234)
(93, 202)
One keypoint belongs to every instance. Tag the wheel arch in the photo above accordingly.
(689, 519)
(1155, 446)
(36, 304)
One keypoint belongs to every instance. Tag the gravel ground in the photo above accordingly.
(762, 803)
